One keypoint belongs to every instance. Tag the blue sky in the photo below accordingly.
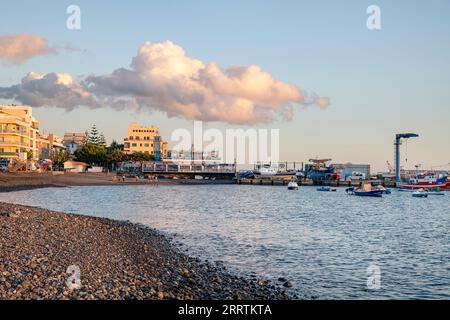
(379, 82)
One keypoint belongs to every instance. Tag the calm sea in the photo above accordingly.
(324, 242)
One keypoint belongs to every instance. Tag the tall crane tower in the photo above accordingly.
(397, 144)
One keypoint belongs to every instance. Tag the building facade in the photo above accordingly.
(72, 141)
(49, 145)
(19, 133)
(349, 169)
(146, 140)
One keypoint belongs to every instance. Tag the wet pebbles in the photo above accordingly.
(40, 249)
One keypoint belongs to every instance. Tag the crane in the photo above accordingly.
(397, 144)
(391, 170)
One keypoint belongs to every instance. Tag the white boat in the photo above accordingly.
(420, 194)
(272, 169)
(292, 185)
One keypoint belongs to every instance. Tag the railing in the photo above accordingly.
(13, 131)
(13, 142)
(186, 168)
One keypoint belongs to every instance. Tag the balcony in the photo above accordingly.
(7, 142)
(10, 131)
(8, 154)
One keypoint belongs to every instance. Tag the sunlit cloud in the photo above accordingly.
(17, 49)
(162, 77)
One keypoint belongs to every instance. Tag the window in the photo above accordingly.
(146, 145)
(134, 144)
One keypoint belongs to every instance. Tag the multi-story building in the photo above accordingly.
(49, 145)
(19, 133)
(146, 140)
(73, 141)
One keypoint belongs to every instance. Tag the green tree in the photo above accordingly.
(95, 137)
(115, 146)
(60, 157)
(92, 154)
(116, 156)
(141, 156)
(102, 140)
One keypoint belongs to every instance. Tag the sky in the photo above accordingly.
(358, 87)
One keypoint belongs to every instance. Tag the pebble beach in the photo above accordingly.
(116, 260)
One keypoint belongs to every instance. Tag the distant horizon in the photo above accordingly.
(334, 88)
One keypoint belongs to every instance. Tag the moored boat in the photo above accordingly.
(292, 185)
(447, 184)
(366, 190)
(418, 186)
(325, 189)
(420, 193)
(383, 189)
(427, 181)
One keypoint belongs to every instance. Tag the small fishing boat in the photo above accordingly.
(325, 189)
(420, 193)
(372, 193)
(292, 185)
(366, 190)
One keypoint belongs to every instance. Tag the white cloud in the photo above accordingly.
(164, 78)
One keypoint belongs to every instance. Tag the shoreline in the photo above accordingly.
(10, 182)
(117, 260)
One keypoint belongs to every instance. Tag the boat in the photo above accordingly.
(273, 169)
(350, 190)
(420, 193)
(325, 189)
(434, 191)
(366, 190)
(383, 189)
(447, 184)
(292, 185)
(424, 181)
(413, 187)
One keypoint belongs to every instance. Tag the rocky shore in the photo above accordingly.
(26, 181)
(10, 181)
(116, 260)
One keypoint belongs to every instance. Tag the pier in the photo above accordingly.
(190, 170)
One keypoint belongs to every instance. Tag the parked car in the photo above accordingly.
(356, 176)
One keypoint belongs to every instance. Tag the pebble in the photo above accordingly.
(117, 260)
